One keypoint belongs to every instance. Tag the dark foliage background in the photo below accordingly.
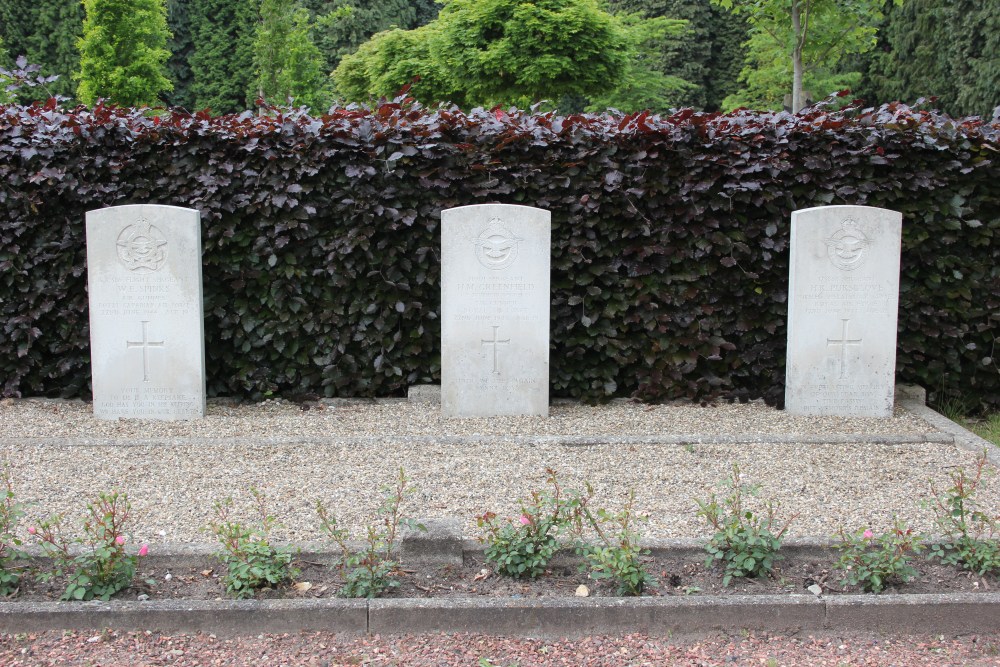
(669, 258)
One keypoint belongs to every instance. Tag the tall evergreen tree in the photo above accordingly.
(222, 59)
(5, 97)
(16, 20)
(949, 49)
(727, 35)
(976, 59)
(709, 55)
(647, 84)
(343, 25)
(181, 47)
(909, 61)
(54, 42)
(426, 11)
(686, 56)
(46, 32)
(287, 65)
(123, 52)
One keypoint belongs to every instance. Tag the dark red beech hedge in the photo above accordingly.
(669, 257)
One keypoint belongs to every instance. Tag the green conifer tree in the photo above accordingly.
(948, 49)
(685, 56)
(728, 35)
(511, 52)
(287, 64)
(16, 20)
(909, 60)
(181, 47)
(123, 52)
(222, 33)
(647, 83)
(343, 25)
(46, 32)
(487, 52)
(708, 54)
(391, 60)
(975, 58)
(5, 97)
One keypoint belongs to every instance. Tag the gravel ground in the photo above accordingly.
(32, 418)
(343, 454)
(323, 649)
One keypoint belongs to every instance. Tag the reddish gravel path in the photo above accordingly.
(323, 649)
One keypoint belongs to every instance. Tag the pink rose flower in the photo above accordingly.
(868, 534)
(120, 540)
(524, 520)
(144, 549)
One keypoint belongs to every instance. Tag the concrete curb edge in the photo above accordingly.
(545, 618)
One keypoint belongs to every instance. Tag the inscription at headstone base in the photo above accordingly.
(495, 310)
(147, 345)
(843, 297)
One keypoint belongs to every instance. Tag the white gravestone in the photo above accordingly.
(843, 297)
(495, 310)
(147, 347)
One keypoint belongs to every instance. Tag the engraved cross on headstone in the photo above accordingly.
(843, 343)
(145, 344)
(495, 343)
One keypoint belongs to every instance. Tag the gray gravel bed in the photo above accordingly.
(44, 418)
(174, 480)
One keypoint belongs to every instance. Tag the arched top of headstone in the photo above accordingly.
(834, 208)
(147, 208)
(472, 208)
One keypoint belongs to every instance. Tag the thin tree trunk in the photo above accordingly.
(796, 58)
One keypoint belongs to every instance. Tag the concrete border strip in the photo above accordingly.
(914, 399)
(540, 617)
(225, 617)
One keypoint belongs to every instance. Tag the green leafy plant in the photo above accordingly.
(100, 566)
(617, 554)
(876, 561)
(746, 543)
(371, 571)
(11, 512)
(970, 534)
(252, 561)
(523, 547)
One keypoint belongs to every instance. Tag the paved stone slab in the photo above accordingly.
(843, 295)
(424, 393)
(147, 338)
